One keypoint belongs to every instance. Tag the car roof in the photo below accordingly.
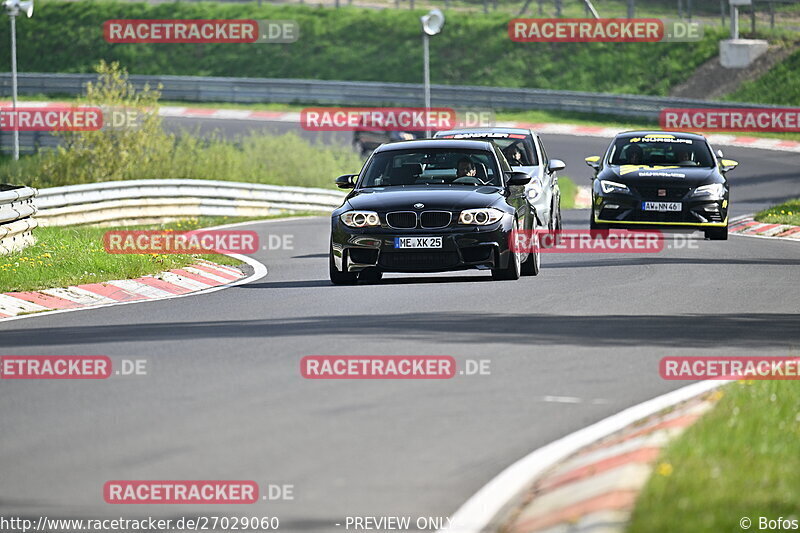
(435, 143)
(678, 134)
(521, 131)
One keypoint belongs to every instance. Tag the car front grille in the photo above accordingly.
(419, 260)
(672, 193)
(435, 219)
(402, 219)
(425, 220)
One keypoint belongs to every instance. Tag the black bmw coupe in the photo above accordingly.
(432, 206)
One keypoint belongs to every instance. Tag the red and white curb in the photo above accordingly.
(293, 117)
(490, 506)
(583, 197)
(748, 227)
(596, 489)
(202, 276)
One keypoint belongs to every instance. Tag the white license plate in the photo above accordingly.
(417, 242)
(661, 206)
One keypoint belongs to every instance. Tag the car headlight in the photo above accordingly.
(534, 190)
(480, 217)
(360, 219)
(716, 190)
(613, 186)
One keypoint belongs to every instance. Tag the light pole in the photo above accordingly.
(13, 8)
(431, 25)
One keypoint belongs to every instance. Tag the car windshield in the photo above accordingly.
(433, 166)
(661, 150)
(516, 147)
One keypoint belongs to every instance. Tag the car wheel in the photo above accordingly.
(717, 234)
(512, 271)
(340, 278)
(557, 225)
(533, 263)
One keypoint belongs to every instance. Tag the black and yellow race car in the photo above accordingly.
(659, 178)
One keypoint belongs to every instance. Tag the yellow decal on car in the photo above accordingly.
(627, 169)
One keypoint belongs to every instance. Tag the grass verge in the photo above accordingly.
(64, 256)
(568, 192)
(740, 460)
(785, 213)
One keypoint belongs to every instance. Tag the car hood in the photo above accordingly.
(449, 197)
(660, 175)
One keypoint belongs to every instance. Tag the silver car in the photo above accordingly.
(525, 152)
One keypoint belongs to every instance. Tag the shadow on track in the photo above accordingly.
(751, 330)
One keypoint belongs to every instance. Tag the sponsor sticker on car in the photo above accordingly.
(417, 242)
(661, 206)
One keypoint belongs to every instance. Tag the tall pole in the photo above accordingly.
(14, 83)
(734, 22)
(427, 74)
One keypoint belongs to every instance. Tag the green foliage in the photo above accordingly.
(284, 159)
(353, 44)
(148, 152)
(780, 85)
(92, 156)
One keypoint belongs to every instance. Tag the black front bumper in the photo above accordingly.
(354, 250)
(617, 209)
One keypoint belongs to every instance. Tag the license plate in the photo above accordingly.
(417, 242)
(661, 206)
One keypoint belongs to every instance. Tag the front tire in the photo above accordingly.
(533, 263)
(340, 278)
(514, 268)
(717, 234)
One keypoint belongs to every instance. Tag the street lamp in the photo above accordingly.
(13, 8)
(431, 25)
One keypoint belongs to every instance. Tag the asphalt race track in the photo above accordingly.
(224, 398)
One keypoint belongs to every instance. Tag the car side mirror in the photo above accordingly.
(346, 181)
(593, 161)
(517, 178)
(727, 164)
(719, 154)
(556, 164)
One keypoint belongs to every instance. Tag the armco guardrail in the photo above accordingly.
(149, 201)
(251, 90)
(16, 218)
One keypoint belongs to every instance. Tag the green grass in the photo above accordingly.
(64, 256)
(352, 44)
(740, 460)
(785, 213)
(780, 85)
(568, 191)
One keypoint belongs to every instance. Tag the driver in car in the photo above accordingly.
(634, 155)
(513, 155)
(683, 155)
(465, 168)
